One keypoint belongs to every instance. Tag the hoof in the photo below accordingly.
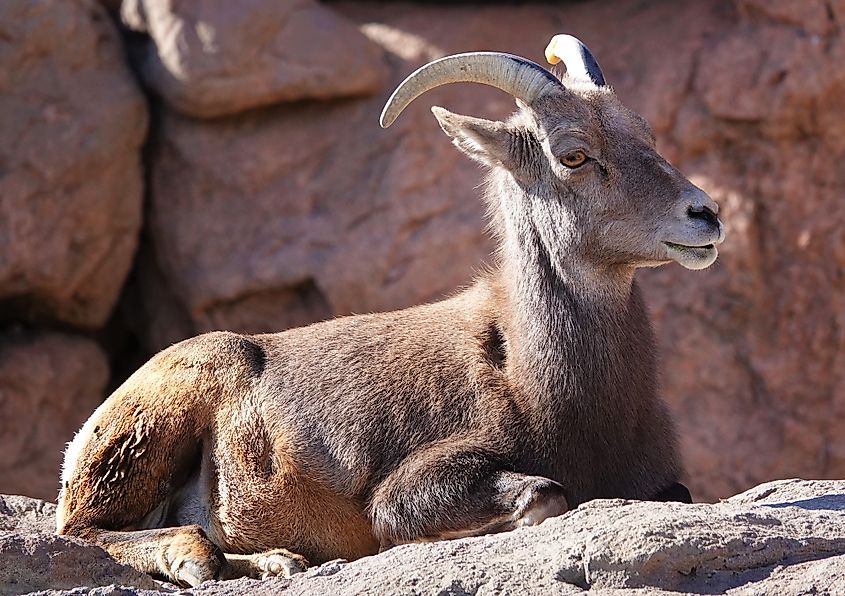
(190, 558)
(541, 501)
(674, 492)
(192, 573)
(279, 563)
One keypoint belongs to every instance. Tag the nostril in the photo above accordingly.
(703, 213)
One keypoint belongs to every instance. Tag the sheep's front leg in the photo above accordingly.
(674, 492)
(453, 490)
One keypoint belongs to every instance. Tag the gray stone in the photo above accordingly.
(26, 515)
(37, 561)
(783, 537)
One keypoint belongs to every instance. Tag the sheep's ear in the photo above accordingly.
(483, 140)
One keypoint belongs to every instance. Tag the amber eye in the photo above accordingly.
(574, 159)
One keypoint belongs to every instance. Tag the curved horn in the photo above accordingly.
(521, 78)
(578, 59)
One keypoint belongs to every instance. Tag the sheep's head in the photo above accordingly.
(573, 161)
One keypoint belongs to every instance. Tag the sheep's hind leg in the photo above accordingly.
(272, 563)
(183, 554)
(453, 490)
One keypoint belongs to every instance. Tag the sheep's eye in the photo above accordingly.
(574, 159)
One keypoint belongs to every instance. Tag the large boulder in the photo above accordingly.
(754, 349)
(280, 217)
(784, 537)
(49, 384)
(622, 545)
(216, 57)
(299, 212)
(70, 169)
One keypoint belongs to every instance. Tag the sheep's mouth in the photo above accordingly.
(692, 257)
(685, 247)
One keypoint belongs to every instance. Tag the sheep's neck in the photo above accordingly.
(570, 325)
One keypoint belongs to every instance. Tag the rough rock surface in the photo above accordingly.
(49, 385)
(214, 58)
(26, 515)
(326, 223)
(784, 537)
(33, 558)
(622, 544)
(299, 212)
(753, 349)
(72, 124)
(313, 209)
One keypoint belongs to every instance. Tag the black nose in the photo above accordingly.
(704, 213)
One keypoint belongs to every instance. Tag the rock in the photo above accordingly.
(47, 562)
(614, 544)
(752, 348)
(35, 559)
(300, 212)
(314, 210)
(112, 6)
(211, 59)
(809, 494)
(70, 172)
(26, 515)
(816, 16)
(149, 308)
(276, 261)
(50, 383)
(779, 538)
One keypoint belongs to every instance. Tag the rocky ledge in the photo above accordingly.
(783, 537)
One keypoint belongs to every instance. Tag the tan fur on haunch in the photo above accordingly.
(530, 392)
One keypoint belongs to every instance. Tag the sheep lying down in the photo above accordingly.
(528, 393)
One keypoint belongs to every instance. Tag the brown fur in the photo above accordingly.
(530, 392)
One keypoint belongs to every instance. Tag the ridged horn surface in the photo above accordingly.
(518, 76)
(578, 59)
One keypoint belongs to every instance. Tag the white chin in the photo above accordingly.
(694, 257)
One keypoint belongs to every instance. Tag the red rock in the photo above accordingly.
(49, 385)
(751, 347)
(300, 212)
(72, 125)
(215, 58)
(813, 16)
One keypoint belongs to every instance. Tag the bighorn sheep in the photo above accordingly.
(532, 391)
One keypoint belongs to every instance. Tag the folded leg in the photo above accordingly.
(455, 489)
